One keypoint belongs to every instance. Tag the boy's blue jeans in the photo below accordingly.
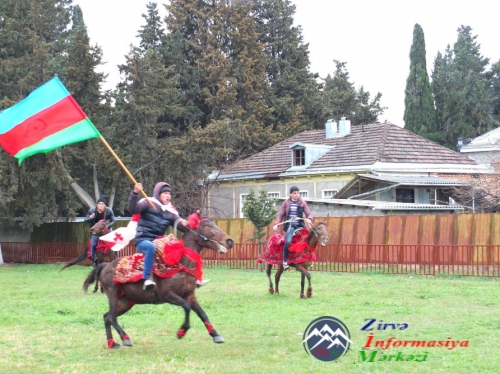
(288, 240)
(149, 249)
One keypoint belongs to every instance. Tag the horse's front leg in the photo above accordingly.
(304, 274)
(175, 299)
(204, 318)
(268, 272)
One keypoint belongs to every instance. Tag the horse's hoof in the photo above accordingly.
(128, 343)
(303, 297)
(218, 339)
(94, 291)
(180, 333)
(271, 291)
(309, 293)
(115, 346)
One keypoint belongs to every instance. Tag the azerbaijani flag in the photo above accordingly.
(47, 119)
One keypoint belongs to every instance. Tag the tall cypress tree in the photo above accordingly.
(440, 76)
(419, 115)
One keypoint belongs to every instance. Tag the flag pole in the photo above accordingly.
(125, 169)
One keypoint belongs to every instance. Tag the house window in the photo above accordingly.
(271, 195)
(405, 195)
(299, 157)
(242, 202)
(303, 194)
(328, 194)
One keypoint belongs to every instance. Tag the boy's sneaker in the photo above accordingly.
(149, 285)
(201, 283)
(285, 265)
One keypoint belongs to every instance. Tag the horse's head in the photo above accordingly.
(321, 232)
(99, 229)
(209, 235)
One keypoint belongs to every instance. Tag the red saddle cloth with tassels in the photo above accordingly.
(299, 250)
(169, 252)
(101, 247)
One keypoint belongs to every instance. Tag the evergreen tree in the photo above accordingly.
(367, 111)
(152, 34)
(440, 78)
(89, 161)
(294, 93)
(419, 113)
(494, 78)
(188, 22)
(32, 44)
(340, 99)
(462, 91)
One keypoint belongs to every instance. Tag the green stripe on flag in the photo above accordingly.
(82, 130)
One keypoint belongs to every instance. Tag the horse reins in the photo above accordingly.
(312, 228)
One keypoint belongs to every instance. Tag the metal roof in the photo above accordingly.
(383, 205)
(414, 180)
(362, 181)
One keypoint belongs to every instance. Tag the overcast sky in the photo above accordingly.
(373, 36)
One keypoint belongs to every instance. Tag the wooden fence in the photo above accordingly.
(437, 229)
(466, 260)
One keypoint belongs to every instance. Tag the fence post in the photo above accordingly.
(1, 257)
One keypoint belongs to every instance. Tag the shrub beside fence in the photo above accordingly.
(466, 260)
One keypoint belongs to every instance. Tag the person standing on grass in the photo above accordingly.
(293, 207)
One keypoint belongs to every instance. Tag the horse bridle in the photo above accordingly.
(195, 231)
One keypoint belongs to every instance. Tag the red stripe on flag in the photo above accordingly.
(46, 122)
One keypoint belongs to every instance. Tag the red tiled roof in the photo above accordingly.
(365, 145)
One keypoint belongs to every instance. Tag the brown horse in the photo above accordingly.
(176, 290)
(317, 235)
(102, 252)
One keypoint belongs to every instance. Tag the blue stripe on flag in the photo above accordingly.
(41, 98)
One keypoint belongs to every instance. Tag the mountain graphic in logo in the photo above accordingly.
(326, 338)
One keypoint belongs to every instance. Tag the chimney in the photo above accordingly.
(344, 126)
(331, 128)
(462, 141)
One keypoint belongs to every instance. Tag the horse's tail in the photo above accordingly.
(94, 275)
(82, 257)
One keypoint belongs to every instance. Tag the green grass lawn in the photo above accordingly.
(48, 325)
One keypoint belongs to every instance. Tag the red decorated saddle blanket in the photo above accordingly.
(299, 250)
(169, 253)
(101, 247)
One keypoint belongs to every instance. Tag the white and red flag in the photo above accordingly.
(119, 238)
